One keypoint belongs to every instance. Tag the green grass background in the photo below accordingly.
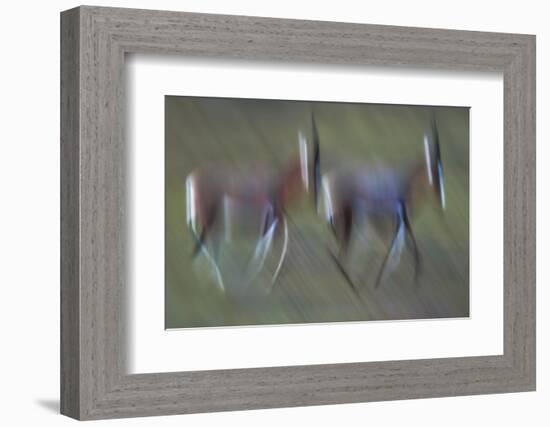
(200, 131)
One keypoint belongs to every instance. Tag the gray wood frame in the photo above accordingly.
(94, 41)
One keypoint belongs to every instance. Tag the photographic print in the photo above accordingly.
(293, 212)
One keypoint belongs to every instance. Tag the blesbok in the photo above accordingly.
(364, 194)
(225, 196)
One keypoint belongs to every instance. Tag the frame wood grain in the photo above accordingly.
(94, 42)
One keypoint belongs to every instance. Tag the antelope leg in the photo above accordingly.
(327, 199)
(416, 252)
(215, 244)
(347, 217)
(260, 251)
(200, 240)
(200, 245)
(394, 252)
(215, 267)
(341, 225)
(191, 212)
(344, 273)
(283, 254)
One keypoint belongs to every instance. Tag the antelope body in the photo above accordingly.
(250, 194)
(354, 196)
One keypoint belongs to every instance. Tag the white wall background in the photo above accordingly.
(29, 212)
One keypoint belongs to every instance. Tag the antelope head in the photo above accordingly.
(434, 166)
(428, 175)
(302, 174)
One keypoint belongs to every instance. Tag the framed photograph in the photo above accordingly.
(261, 213)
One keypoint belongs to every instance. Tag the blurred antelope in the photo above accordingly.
(234, 197)
(352, 196)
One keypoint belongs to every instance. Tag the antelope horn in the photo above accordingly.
(438, 164)
(316, 162)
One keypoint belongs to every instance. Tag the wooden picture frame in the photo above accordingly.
(94, 382)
